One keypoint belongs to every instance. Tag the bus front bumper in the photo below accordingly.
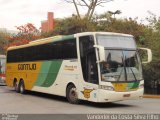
(112, 96)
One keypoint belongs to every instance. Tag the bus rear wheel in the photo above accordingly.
(22, 87)
(72, 95)
(16, 87)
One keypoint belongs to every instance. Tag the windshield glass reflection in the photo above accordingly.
(121, 65)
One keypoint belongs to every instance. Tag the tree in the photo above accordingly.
(3, 41)
(71, 25)
(89, 4)
(154, 21)
(26, 33)
(152, 41)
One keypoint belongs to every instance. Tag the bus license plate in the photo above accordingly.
(126, 95)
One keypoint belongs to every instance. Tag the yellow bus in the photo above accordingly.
(92, 66)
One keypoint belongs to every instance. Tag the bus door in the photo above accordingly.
(89, 67)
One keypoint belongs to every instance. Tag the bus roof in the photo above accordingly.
(43, 41)
(104, 33)
(62, 38)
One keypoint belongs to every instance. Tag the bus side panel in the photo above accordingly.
(10, 74)
(26, 71)
(50, 77)
(67, 72)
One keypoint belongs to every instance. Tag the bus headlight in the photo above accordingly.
(141, 86)
(106, 87)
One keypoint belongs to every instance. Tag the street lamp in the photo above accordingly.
(114, 13)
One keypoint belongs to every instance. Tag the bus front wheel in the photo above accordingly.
(72, 95)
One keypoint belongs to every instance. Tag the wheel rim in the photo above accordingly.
(21, 88)
(16, 86)
(73, 94)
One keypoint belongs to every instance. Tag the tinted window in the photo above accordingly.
(88, 59)
(69, 49)
(56, 50)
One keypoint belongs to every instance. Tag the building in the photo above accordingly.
(48, 25)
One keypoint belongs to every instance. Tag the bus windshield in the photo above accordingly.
(122, 60)
(121, 65)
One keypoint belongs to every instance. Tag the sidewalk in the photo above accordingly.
(151, 96)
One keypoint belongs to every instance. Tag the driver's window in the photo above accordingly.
(105, 67)
(113, 61)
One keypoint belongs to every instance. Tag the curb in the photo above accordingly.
(151, 96)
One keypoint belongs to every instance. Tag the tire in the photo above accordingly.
(16, 86)
(72, 95)
(22, 87)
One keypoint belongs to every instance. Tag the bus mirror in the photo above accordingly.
(143, 55)
(101, 53)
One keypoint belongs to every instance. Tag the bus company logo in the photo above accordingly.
(26, 66)
(70, 68)
(87, 92)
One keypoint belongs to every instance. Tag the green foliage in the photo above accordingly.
(151, 39)
(71, 25)
(128, 26)
(154, 21)
(3, 41)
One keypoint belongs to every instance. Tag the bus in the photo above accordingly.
(73, 66)
(2, 69)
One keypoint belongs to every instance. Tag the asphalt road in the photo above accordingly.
(39, 103)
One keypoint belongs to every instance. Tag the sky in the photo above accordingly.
(19, 12)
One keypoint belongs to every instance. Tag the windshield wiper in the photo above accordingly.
(125, 67)
(120, 75)
(133, 74)
(128, 62)
(121, 71)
